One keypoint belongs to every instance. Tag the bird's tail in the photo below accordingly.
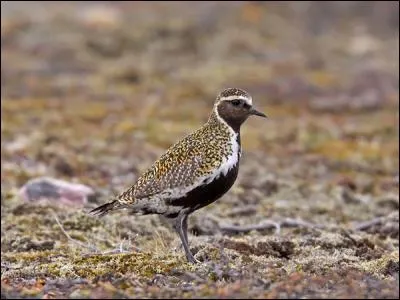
(105, 208)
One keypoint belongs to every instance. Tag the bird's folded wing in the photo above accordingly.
(169, 183)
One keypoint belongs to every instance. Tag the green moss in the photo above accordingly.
(299, 268)
(381, 266)
(141, 264)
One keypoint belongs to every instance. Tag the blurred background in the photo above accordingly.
(93, 92)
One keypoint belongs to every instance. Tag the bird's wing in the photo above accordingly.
(176, 176)
(168, 176)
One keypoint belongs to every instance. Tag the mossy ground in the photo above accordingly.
(94, 95)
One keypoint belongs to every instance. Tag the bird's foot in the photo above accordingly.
(189, 256)
(192, 260)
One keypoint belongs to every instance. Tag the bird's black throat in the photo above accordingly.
(231, 119)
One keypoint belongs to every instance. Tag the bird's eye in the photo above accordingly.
(236, 102)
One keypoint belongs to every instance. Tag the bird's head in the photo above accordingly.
(234, 106)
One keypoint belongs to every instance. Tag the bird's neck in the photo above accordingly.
(231, 125)
(234, 132)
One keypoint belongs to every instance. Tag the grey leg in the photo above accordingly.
(181, 229)
(185, 227)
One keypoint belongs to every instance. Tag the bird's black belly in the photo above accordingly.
(205, 194)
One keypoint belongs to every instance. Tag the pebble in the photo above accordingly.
(51, 189)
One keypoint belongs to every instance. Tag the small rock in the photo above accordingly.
(100, 16)
(46, 188)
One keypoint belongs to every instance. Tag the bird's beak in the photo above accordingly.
(255, 112)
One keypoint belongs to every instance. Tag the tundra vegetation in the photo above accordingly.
(93, 93)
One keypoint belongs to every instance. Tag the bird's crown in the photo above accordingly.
(234, 93)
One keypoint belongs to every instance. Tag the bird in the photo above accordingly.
(195, 171)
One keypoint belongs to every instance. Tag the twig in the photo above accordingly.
(114, 251)
(120, 249)
(368, 224)
(120, 246)
(241, 229)
(267, 224)
(288, 222)
(72, 239)
(108, 252)
(93, 248)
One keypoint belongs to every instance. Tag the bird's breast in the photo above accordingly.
(229, 161)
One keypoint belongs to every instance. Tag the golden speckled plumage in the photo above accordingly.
(195, 156)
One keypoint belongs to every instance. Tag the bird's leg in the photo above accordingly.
(185, 228)
(181, 228)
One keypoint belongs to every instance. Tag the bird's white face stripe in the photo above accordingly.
(248, 100)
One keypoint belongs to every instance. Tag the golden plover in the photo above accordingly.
(195, 171)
